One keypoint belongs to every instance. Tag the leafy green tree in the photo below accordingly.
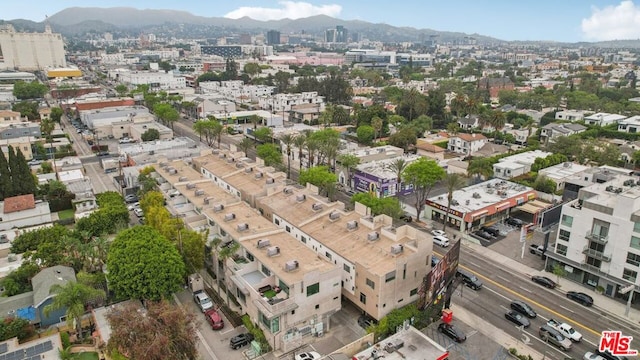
(166, 113)
(230, 70)
(398, 166)
(335, 89)
(6, 185)
(452, 183)
(211, 129)
(481, 167)
(263, 134)
(29, 90)
(412, 105)
(436, 103)
(252, 69)
(27, 108)
(365, 134)
(544, 184)
(143, 264)
(111, 216)
(423, 174)
(244, 145)
(281, 81)
(192, 245)
(19, 280)
(421, 125)
(16, 327)
(208, 76)
(150, 135)
(73, 297)
(404, 138)
(376, 124)
(349, 162)
(163, 331)
(23, 180)
(56, 114)
(147, 183)
(270, 153)
(319, 176)
(387, 205)
(121, 89)
(300, 142)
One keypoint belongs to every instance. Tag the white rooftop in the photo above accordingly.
(527, 158)
(145, 147)
(382, 168)
(606, 117)
(562, 171)
(478, 196)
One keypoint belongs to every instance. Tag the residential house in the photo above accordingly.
(570, 115)
(14, 130)
(603, 119)
(8, 116)
(431, 151)
(630, 125)
(23, 211)
(491, 149)
(561, 172)
(518, 164)
(469, 122)
(550, 132)
(466, 144)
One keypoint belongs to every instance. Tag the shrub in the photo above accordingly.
(64, 338)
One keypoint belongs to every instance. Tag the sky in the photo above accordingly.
(556, 20)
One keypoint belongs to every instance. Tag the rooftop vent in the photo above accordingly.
(239, 165)
(629, 182)
(183, 178)
(334, 216)
(248, 170)
(316, 207)
(271, 180)
(259, 175)
(207, 200)
(467, 202)
(273, 251)
(173, 171)
(218, 208)
(396, 249)
(163, 164)
(301, 198)
(191, 186)
(352, 225)
(215, 151)
(242, 227)
(287, 190)
(230, 160)
(199, 192)
(476, 195)
(229, 217)
(263, 243)
(291, 265)
(373, 236)
(222, 156)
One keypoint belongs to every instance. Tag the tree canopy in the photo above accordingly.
(423, 174)
(270, 153)
(29, 90)
(387, 205)
(150, 135)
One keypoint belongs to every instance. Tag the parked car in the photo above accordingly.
(544, 281)
(406, 218)
(514, 222)
(452, 332)
(441, 241)
(133, 206)
(214, 319)
(491, 230)
(517, 318)
(592, 356)
(485, 235)
(523, 308)
(438, 233)
(311, 355)
(581, 298)
(139, 213)
(365, 321)
(130, 198)
(609, 356)
(202, 300)
(469, 279)
(553, 336)
(241, 340)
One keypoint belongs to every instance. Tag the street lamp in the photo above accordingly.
(625, 290)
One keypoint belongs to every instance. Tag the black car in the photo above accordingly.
(485, 235)
(241, 340)
(514, 222)
(581, 298)
(523, 308)
(491, 230)
(544, 281)
(517, 318)
(452, 332)
(365, 321)
(469, 279)
(406, 218)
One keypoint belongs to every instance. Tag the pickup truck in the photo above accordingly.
(536, 250)
(566, 330)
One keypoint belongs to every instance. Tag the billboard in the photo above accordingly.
(436, 281)
(551, 216)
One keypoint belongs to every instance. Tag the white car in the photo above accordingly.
(441, 240)
(133, 206)
(139, 213)
(438, 233)
(311, 355)
(591, 356)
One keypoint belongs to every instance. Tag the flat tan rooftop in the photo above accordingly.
(199, 191)
(290, 205)
(242, 213)
(176, 171)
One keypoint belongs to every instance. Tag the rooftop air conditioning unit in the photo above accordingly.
(199, 192)
(301, 198)
(248, 170)
(173, 171)
(163, 164)
(258, 175)
(230, 160)
(191, 186)
(218, 208)
(270, 181)
(182, 178)
(373, 236)
(207, 200)
(273, 251)
(334, 216)
(476, 195)
(215, 151)
(263, 243)
(396, 249)
(352, 225)
(291, 265)
(239, 165)
(222, 156)
(287, 190)
(229, 217)
(242, 227)
(316, 207)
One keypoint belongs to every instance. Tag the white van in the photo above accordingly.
(441, 240)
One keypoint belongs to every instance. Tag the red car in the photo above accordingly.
(214, 319)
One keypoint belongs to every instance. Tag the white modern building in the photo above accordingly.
(286, 102)
(598, 241)
(603, 119)
(236, 90)
(560, 173)
(157, 80)
(30, 51)
(550, 132)
(516, 165)
(570, 115)
(466, 144)
(630, 125)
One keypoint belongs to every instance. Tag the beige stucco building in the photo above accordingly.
(30, 51)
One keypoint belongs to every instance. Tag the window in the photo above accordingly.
(633, 259)
(567, 220)
(564, 235)
(363, 298)
(635, 242)
(327, 254)
(371, 284)
(313, 289)
(390, 276)
(283, 287)
(413, 292)
(561, 249)
(636, 227)
(594, 262)
(276, 221)
(346, 268)
(629, 275)
(287, 228)
(596, 246)
(249, 257)
(266, 271)
(303, 239)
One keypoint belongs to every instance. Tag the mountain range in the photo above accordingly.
(78, 21)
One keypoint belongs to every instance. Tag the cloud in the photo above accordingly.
(287, 9)
(613, 22)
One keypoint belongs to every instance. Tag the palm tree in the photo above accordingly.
(480, 167)
(287, 140)
(349, 162)
(497, 119)
(376, 123)
(255, 120)
(216, 132)
(453, 128)
(452, 182)
(73, 297)
(398, 166)
(244, 145)
(300, 142)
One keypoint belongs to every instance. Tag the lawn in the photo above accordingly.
(66, 214)
(269, 294)
(85, 356)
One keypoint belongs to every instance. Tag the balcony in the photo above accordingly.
(596, 254)
(597, 238)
